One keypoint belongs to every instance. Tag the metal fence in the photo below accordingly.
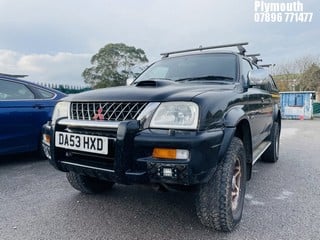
(68, 89)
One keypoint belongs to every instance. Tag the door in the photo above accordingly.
(260, 114)
(259, 107)
(20, 117)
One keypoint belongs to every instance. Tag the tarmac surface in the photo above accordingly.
(282, 201)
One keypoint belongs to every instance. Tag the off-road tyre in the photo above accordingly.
(214, 202)
(272, 153)
(86, 184)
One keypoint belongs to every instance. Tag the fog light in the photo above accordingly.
(167, 172)
(169, 153)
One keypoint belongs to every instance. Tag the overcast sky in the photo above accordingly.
(53, 41)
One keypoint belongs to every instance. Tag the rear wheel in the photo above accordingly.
(272, 153)
(220, 201)
(88, 184)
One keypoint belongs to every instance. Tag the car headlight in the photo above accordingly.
(176, 115)
(61, 110)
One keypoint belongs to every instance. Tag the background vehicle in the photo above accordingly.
(24, 108)
(195, 120)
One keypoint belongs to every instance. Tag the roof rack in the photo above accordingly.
(12, 75)
(254, 58)
(240, 47)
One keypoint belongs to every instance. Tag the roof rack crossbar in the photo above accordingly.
(240, 47)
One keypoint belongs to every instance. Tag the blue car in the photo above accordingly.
(24, 108)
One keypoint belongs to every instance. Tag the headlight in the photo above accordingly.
(176, 115)
(61, 110)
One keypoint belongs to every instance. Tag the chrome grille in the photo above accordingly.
(109, 111)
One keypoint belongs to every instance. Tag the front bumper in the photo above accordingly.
(130, 155)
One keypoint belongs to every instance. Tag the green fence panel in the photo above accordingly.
(316, 109)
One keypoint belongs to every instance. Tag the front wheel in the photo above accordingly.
(220, 200)
(88, 184)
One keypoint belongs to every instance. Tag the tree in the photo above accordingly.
(112, 65)
(310, 79)
(298, 74)
(286, 82)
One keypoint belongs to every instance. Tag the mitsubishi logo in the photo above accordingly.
(99, 115)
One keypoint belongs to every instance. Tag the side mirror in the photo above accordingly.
(129, 81)
(258, 77)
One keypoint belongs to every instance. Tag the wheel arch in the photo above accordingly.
(243, 132)
(238, 125)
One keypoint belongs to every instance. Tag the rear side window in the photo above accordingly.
(14, 91)
(45, 94)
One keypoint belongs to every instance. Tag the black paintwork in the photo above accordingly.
(171, 91)
(224, 107)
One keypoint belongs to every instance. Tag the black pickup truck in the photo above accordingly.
(196, 119)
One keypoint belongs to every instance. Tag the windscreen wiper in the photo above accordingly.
(209, 77)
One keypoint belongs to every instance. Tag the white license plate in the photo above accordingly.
(81, 142)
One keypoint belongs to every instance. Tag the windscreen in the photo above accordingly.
(217, 66)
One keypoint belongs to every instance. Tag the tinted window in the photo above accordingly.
(14, 91)
(192, 66)
(45, 94)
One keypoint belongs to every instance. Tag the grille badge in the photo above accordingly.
(99, 115)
